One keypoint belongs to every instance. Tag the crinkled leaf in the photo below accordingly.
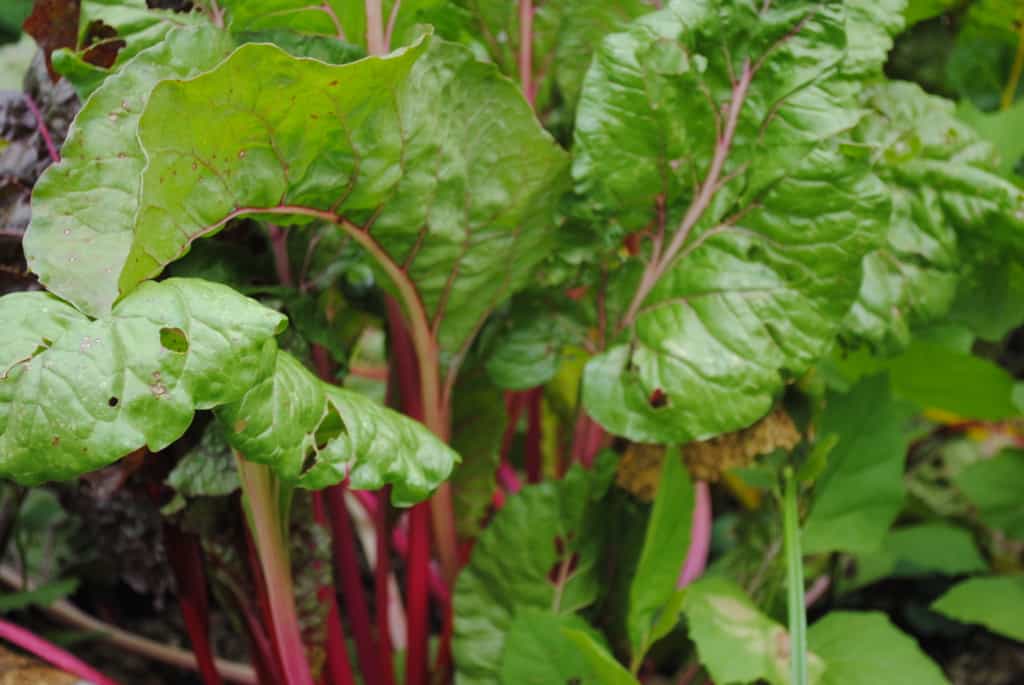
(78, 394)
(314, 435)
(666, 542)
(539, 530)
(83, 208)
(945, 187)
(756, 290)
(993, 486)
(527, 346)
(736, 643)
(407, 148)
(861, 491)
(206, 470)
(121, 29)
(996, 602)
(538, 651)
(866, 649)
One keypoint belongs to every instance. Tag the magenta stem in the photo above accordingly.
(700, 536)
(52, 654)
(526, 50)
(44, 131)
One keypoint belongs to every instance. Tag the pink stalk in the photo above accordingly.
(44, 130)
(266, 521)
(417, 606)
(700, 537)
(339, 670)
(508, 479)
(400, 540)
(375, 28)
(817, 591)
(588, 439)
(526, 50)
(381, 574)
(186, 560)
(52, 654)
(346, 562)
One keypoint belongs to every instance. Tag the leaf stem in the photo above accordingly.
(794, 581)
(1010, 91)
(661, 261)
(43, 129)
(392, 19)
(526, 50)
(375, 28)
(267, 514)
(52, 654)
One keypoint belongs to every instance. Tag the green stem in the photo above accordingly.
(268, 503)
(795, 582)
(1010, 91)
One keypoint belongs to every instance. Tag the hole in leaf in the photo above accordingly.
(113, 402)
(174, 339)
(331, 427)
(658, 399)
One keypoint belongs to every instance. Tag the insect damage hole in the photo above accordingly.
(174, 340)
(113, 402)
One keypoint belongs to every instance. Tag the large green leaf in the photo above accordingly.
(945, 187)
(83, 208)
(77, 394)
(1001, 129)
(861, 491)
(666, 543)
(995, 602)
(993, 487)
(762, 231)
(866, 649)
(137, 27)
(736, 643)
(539, 531)
(538, 651)
(428, 158)
(314, 435)
(607, 670)
(920, 550)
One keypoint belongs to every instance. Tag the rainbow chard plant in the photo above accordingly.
(448, 321)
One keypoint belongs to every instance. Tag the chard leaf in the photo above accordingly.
(314, 435)
(993, 487)
(84, 207)
(996, 602)
(539, 530)
(478, 423)
(208, 469)
(737, 643)
(666, 543)
(860, 493)
(111, 32)
(90, 391)
(866, 649)
(404, 152)
(946, 188)
(920, 550)
(758, 236)
(537, 650)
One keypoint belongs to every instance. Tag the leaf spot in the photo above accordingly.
(55, 441)
(113, 402)
(240, 425)
(658, 399)
(241, 154)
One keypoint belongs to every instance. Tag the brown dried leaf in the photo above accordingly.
(640, 470)
(708, 459)
(54, 25)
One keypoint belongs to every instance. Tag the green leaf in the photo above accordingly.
(314, 435)
(402, 151)
(736, 643)
(946, 188)
(137, 27)
(538, 651)
(206, 470)
(76, 394)
(341, 19)
(83, 208)
(537, 532)
(996, 602)
(666, 543)
(990, 298)
(759, 263)
(866, 649)
(607, 670)
(324, 48)
(920, 550)
(861, 491)
(999, 128)
(478, 423)
(528, 345)
(920, 10)
(993, 486)
(42, 596)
